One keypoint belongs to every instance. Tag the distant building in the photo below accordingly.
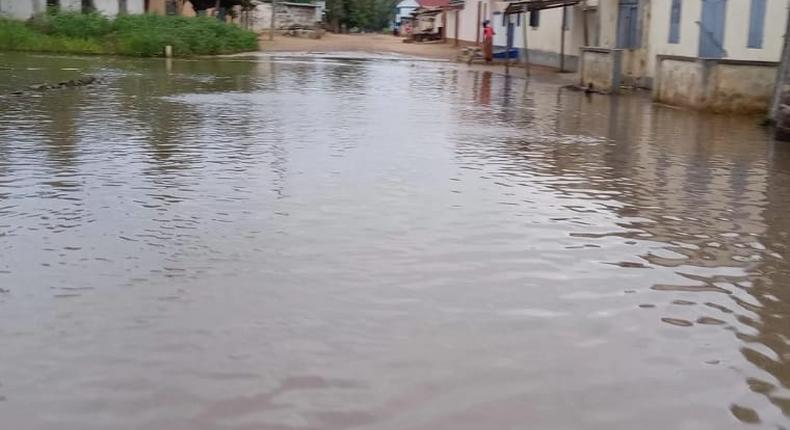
(720, 55)
(24, 9)
(541, 19)
(404, 9)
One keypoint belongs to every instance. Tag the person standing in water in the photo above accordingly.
(488, 41)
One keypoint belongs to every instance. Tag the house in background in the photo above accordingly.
(720, 55)
(556, 29)
(404, 9)
(24, 9)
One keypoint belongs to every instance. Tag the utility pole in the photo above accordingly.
(782, 73)
(274, 19)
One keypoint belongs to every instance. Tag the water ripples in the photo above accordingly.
(339, 243)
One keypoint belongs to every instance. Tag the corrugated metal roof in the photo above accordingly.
(433, 3)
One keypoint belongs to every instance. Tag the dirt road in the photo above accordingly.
(371, 43)
(388, 44)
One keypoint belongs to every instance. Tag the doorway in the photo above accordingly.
(711, 29)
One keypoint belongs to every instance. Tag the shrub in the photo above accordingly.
(138, 35)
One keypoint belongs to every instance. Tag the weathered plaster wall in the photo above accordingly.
(719, 86)
(288, 16)
(599, 69)
(679, 82)
(743, 88)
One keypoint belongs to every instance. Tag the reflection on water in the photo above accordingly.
(324, 244)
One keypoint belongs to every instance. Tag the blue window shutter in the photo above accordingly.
(756, 24)
(674, 22)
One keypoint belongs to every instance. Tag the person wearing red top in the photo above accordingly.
(488, 41)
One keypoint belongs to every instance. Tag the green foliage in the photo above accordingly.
(146, 35)
(137, 35)
(15, 35)
(368, 15)
(72, 24)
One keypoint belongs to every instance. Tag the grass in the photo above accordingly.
(134, 35)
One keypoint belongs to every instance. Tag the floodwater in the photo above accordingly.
(318, 243)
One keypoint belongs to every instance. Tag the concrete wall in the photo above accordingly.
(715, 85)
(24, 9)
(111, 7)
(743, 87)
(600, 69)
(681, 82)
(21, 9)
(289, 15)
(467, 21)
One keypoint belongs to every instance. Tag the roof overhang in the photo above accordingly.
(521, 6)
(428, 11)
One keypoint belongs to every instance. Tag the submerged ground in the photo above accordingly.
(322, 243)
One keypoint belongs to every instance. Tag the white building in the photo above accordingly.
(24, 9)
(545, 40)
(710, 54)
(404, 10)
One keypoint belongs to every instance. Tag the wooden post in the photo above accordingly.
(457, 22)
(508, 44)
(585, 15)
(444, 26)
(274, 19)
(526, 45)
(479, 23)
(562, 38)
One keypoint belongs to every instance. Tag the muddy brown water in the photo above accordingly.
(314, 243)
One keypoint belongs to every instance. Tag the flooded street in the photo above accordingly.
(314, 243)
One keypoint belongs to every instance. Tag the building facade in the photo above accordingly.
(554, 35)
(24, 9)
(720, 55)
(404, 9)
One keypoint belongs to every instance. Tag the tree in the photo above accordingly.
(367, 15)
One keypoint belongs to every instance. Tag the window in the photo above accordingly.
(534, 19)
(628, 27)
(756, 24)
(674, 22)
